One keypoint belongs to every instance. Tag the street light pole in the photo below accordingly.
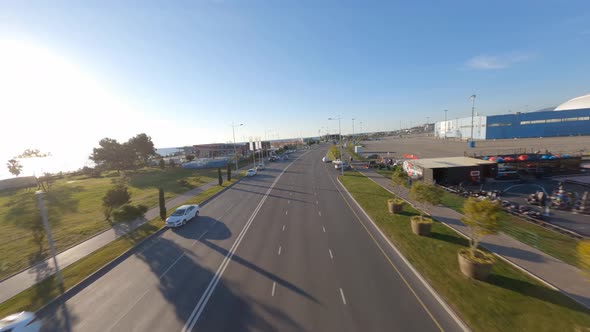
(446, 124)
(472, 113)
(340, 134)
(235, 151)
(43, 211)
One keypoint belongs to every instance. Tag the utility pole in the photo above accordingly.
(43, 211)
(472, 113)
(340, 134)
(235, 151)
(446, 124)
(353, 129)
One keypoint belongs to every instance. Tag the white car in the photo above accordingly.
(326, 160)
(21, 322)
(182, 215)
(260, 167)
(251, 172)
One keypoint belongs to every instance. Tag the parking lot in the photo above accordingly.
(517, 192)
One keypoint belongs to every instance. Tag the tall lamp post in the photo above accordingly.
(472, 113)
(43, 211)
(234, 133)
(353, 129)
(340, 134)
(446, 123)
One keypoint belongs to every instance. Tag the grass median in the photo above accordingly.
(36, 296)
(508, 301)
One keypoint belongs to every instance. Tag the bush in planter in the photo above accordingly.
(424, 194)
(481, 217)
(395, 205)
(398, 178)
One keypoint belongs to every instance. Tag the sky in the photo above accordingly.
(74, 72)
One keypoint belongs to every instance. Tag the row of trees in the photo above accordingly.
(121, 156)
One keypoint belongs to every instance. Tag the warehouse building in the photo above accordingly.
(571, 118)
(450, 171)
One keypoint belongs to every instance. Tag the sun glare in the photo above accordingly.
(50, 102)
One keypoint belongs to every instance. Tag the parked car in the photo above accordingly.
(272, 158)
(260, 167)
(182, 215)
(251, 172)
(373, 156)
(21, 322)
(326, 160)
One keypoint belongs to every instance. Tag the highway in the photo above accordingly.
(286, 250)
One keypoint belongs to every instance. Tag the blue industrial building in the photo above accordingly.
(571, 118)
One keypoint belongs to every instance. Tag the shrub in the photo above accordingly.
(129, 212)
(115, 197)
(162, 203)
(184, 183)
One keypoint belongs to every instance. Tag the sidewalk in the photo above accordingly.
(36, 273)
(562, 276)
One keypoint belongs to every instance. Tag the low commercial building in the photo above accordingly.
(450, 171)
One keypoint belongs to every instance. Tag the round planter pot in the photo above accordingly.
(474, 270)
(421, 228)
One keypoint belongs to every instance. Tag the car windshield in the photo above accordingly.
(179, 212)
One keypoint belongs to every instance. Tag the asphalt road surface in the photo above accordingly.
(286, 250)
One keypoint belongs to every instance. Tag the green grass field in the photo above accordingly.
(75, 210)
(508, 301)
(36, 296)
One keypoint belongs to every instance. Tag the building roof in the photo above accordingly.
(450, 162)
(575, 104)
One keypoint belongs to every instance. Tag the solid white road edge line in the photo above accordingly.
(194, 317)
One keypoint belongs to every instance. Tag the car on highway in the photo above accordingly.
(260, 167)
(20, 322)
(182, 215)
(251, 172)
(342, 164)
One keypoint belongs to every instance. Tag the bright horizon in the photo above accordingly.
(73, 74)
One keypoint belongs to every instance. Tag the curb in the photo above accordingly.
(107, 266)
(518, 267)
(433, 292)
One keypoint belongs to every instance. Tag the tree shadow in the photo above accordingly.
(457, 240)
(513, 252)
(540, 292)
